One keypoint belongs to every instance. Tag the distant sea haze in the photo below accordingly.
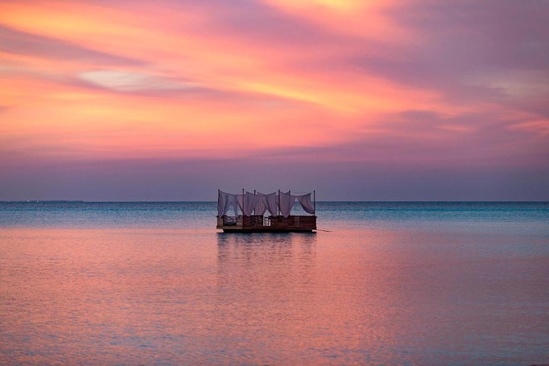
(407, 283)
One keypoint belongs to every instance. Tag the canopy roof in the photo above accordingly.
(258, 203)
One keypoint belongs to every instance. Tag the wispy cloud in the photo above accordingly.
(133, 81)
(25, 43)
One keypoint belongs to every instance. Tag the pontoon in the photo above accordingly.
(248, 212)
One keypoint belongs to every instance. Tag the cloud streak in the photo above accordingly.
(17, 42)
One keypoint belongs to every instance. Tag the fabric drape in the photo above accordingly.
(306, 203)
(272, 205)
(286, 202)
(239, 201)
(249, 204)
(225, 201)
(222, 203)
(260, 203)
(267, 202)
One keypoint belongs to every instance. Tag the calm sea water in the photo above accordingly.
(378, 284)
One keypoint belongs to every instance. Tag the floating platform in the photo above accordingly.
(250, 212)
(266, 224)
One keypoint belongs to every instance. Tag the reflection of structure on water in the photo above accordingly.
(266, 284)
(249, 212)
(265, 262)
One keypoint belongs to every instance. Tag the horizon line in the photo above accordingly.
(324, 201)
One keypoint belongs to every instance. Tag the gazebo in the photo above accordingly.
(258, 212)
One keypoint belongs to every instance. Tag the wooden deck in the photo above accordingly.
(270, 224)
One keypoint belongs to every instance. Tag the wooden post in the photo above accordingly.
(278, 206)
(314, 202)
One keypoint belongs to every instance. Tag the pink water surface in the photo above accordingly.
(370, 296)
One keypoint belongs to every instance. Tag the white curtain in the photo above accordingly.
(239, 201)
(224, 203)
(261, 205)
(306, 203)
(250, 201)
(286, 203)
(235, 203)
(267, 202)
(272, 205)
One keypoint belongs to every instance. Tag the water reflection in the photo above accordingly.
(265, 238)
(265, 285)
(271, 261)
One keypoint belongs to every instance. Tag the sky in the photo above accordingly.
(359, 100)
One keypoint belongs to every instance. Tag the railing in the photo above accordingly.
(257, 221)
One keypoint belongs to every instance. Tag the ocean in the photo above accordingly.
(380, 283)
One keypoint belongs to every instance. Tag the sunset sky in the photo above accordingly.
(360, 100)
